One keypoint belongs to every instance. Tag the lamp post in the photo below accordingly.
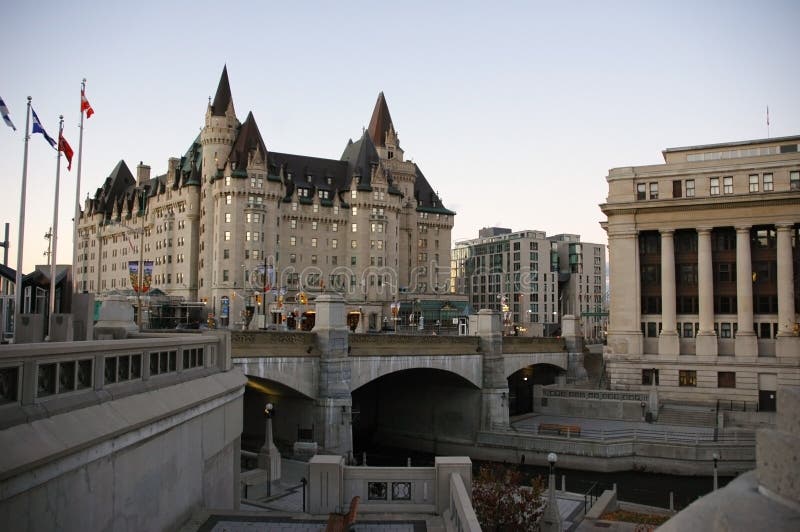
(140, 232)
(715, 457)
(268, 457)
(551, 520)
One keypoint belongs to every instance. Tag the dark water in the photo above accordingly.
(652, 489)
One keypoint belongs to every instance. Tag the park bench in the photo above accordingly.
(341, 522)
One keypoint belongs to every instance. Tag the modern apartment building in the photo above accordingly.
(237, 226)
(532, 279)
(704, 257)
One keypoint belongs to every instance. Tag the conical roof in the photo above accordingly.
(223, 97)
(249, 139)
(380, 122)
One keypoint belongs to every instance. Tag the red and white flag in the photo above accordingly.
(85, 106)
(63, 146)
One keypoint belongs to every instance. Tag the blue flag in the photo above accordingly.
(37, 128)
(6, 118)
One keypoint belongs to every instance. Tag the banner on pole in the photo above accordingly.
(147, 276)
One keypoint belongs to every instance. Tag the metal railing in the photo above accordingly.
(645, 435)
(737, 406)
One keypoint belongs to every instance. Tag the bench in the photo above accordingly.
(341, 522)
(559, 429)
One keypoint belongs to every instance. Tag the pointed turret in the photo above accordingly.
(361, 157)
(380, 123)
(249, 147)
(222, 99)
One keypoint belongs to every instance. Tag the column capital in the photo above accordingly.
(665, 232)
(784, 226)
(704, 230)
(743, 228)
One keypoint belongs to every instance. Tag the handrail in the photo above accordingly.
(653, 435)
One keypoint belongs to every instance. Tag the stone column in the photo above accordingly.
(706, 338)
(624, 332)
(786, 344)
(494, 395)
(668, 340)
(746, 342)
(334, 402)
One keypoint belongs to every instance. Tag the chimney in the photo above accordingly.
(142, 173)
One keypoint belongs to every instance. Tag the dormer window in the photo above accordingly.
(390, 154)
(289, 176)
(329, 180)
(308, 178)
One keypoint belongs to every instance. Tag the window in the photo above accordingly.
(354, 194)
(641, 192)
(224, 275)
(335, 227)
(688, 331)
(226, 253)
(292, 258)
(690, 188)
(334, 243)
(355, 211)
(227, 217)
(753, 182)
(314, 225)
(313, 242)
(354, 244)
(768, 183)
(292, 240)
(727, 185)
(687, 377)
(714, 186)
(726, 379)
(648, 375)
(653, 190)
(794, 180)
(227, 180)
(677, 189)
(725, 330)
(227, 235)
(354, 228)
(228, 199)
(293, 223)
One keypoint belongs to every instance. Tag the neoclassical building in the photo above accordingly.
(368, 225)
(704, 258)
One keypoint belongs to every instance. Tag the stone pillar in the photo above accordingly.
(786, 343)
(325, 484)
(444, 467)
(269, 458)
(334, 403)
(625, 316)
(494, 395)
(746, 342)
(706, 338)
(668, 342)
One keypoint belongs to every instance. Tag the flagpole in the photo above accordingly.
(21, 237)
(55, 231)
(75, 241)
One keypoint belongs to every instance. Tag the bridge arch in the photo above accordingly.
(300, 374)
(515, 362)
(365, 369)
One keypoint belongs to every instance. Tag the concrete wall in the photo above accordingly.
(143, 454)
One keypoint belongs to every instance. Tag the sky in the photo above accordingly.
(514, 111)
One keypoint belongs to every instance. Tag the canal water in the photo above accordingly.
(652, 489)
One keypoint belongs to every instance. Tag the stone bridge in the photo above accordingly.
(328, 364)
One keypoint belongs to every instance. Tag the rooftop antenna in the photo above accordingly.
(768, 121)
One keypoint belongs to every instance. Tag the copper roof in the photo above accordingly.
(223, 97)
(381, 122)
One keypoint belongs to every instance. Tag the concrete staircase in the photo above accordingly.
(686, 415)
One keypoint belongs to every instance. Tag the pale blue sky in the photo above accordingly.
(515, 111)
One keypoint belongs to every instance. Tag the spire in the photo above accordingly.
(381, 122)
(223, 97)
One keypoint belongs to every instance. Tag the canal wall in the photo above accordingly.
(620, 454)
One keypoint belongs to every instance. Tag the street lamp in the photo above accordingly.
(551, 520)
(715, 457)
(268, 458)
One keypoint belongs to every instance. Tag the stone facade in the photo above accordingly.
(368, 225)
(533, 279)
(704, 258)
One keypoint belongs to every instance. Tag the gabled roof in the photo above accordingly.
(301, 166)
(248, 140)
(222, 99)
(427, 199)
(380, 122)
(361, 156)
(8, 273)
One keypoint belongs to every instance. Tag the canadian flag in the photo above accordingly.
(85, 106)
